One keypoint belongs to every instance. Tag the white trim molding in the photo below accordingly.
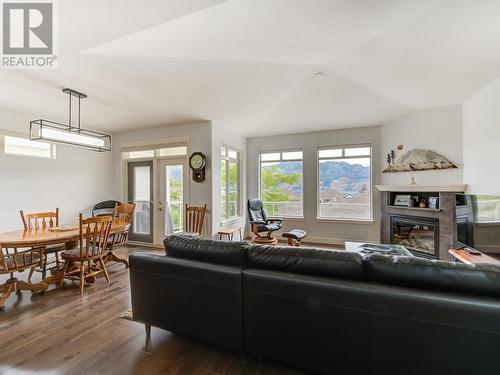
(458, 188)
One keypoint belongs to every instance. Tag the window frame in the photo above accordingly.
(225, 218)
(3, 145)
(281, 151)
(318, 192)
(475, 202)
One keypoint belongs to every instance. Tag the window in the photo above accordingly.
(158, 152)
(230, 183)
(487, 209)
(141, 154)
(173, 151)
(26, 147)
(281, 183)
(344, 183)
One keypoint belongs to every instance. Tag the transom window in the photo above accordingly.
(26, 147)
(230, 183)
(281, 183)
(158, 152)
(344, 183)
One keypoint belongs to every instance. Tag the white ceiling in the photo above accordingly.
(250, 64)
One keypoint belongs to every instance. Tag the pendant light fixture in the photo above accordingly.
(69, 134)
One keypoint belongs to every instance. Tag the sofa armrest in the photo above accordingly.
(171, 293)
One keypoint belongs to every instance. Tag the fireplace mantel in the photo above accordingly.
(459, 188)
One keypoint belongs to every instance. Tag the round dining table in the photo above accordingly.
(48, 236)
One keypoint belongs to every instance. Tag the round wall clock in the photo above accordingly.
(197, 162)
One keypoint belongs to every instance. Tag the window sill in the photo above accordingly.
(488, 223)
(345, 221)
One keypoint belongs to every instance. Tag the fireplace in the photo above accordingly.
(428, 231)
(418, 234)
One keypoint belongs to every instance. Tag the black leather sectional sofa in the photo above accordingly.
(325, 312)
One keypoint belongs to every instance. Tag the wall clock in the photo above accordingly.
(197, 162)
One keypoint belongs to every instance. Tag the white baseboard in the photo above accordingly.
(488, 248)
(319, 240)
(333, 241)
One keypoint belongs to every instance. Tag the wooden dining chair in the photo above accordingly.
(18, 260)
(123, 213)
(41, 221)
(93, 237)
(193, 219)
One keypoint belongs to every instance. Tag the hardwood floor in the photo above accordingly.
(63, 333)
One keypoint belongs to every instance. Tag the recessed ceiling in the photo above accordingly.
(251, 65)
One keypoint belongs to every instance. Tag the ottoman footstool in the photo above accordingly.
(294, 237)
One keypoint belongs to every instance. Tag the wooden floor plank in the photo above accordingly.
(62, 333)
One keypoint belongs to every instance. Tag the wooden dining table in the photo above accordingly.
(48, 236)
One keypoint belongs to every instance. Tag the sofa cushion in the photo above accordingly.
(434, 274)
(211, 251)
(327, 263)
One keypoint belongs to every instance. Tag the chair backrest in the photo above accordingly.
(94, 233)
(104, 208)
(40, 220)
(194, 218)
(12, 260)
(256, 210)
(124, 212)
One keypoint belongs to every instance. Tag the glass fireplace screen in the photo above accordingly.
(416, 234)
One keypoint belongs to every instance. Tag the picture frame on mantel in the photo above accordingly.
(403, 200)
(433, 202)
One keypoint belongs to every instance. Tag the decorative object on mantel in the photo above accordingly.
(422, 203)
(69, 134)
(434, 202)
(413, 181)
(391, 157)
(419, 160)
(403, 200)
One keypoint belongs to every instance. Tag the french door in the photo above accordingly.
(159, 189)
(140, 192)
(173, 193)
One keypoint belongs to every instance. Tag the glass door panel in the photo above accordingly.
(172, 195)
(140, 192)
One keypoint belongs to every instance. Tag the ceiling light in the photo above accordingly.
(319, 75)
(69, 134)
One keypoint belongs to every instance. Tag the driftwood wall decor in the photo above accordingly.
(419, 160)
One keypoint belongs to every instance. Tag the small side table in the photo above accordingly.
(461, 254)
(229, 232)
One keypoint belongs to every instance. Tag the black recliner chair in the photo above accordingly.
(104, 208)
(261, 223)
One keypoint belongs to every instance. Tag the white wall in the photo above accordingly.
(436, 129)
(222, 136)
(482, 141)
(199, 136)
(320, 230)
(74, 181)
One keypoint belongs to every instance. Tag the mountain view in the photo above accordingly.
(344, 188)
